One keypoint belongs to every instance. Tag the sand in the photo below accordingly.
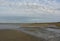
(14, 35)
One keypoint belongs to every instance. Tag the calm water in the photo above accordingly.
(9, 26)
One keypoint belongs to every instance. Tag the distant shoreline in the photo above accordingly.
(27, 23)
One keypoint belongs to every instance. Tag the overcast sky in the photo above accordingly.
(28, 11)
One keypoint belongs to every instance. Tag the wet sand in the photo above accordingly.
(13, 32)
(48, 34)
(14, 35)
(8, 32)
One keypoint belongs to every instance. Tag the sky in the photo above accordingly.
(29, 11)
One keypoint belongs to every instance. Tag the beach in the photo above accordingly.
(8, 32)
(14, 35)
(14, 32)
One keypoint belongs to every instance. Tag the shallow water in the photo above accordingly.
(47, 33)
(9, 26)
(54, 30)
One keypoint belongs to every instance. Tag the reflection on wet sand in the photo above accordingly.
(50, 33)
(44, 33)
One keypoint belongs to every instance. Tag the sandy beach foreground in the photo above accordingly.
(16, 32)
(14, 35)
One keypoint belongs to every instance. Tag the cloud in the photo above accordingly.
(34, 8)
(44, 6)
